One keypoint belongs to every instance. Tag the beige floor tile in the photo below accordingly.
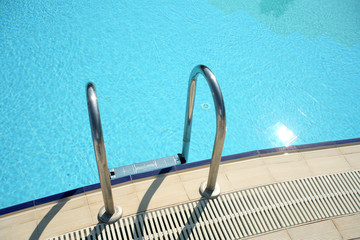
(349, 226)
(161, 191)
(283, 158)
(280, 235)
(321, 153)
(19, 231)
(62, 205)
(289, 171)
(53, 225)
(192, 185)
(315, 231)
(124, 196)
(350, 149)
(250, 163)
(127, 199)
(201, 174)
(328, 165)
(94, 209)
(249, 177)
(19, 226)
(353, 160)
(119, 193)
(21, 217)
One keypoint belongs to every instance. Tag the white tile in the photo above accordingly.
(63, 205)
(328, 152)
(192, 185)
(20, 231)
(315, 231)
(20, 225)
(289, 170)
(60, 223)
(283, 158)
(124, 196)
(162, 191)
(349, 226)
(197, 174)
(280, 235)
(21, 217)
(353, 160)
(350, 149)
(238, 165)
(328, 165)
(249, 177)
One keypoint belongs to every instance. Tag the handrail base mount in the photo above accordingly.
(105, 217)
(208, 193)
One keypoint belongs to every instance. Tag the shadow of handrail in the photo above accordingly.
(144, 203)
(39, 229)
(186, 232)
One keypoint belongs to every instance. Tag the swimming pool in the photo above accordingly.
(288, 72)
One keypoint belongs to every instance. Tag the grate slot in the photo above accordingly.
(292, 208)
(325, 197)
(218, 219)
(202, 229)
(348, 193)
(239, 214)
(274, 206)
(252, 210)
(230, 218)
(341, 194)
(319, 204)
(266, 211)
(302, 201)
(171, 221)
(166, 225)
(221, 212)
(310, 200)
(238, 204)
(286, 214)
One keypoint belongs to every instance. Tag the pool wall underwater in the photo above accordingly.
(288, 71)
(188, 166)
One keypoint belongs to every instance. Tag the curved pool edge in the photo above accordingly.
(182, 167)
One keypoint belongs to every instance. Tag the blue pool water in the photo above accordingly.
(289, 73)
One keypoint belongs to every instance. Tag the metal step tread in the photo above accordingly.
(145, 166)
(241, 213)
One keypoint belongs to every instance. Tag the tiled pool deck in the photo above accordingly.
(69, 214)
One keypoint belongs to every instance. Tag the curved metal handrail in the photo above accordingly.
(110, 212)
(212, 189)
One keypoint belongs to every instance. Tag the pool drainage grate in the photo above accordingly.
(239, 214)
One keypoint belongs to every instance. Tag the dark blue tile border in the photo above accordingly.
(240, 155)
(59, 196)
(119, 180)
(17, 207)
(95, 186)
(192, 165)
(316, 145)
(92, 187)
(348, 141)
(277, 150)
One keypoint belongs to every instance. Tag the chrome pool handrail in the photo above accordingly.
(110, 212)
(210, 188)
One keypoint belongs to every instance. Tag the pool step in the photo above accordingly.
(240, 214)
(145, 166)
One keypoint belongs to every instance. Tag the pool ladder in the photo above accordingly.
(209, 189)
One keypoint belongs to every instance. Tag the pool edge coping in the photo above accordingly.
(177, 168)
